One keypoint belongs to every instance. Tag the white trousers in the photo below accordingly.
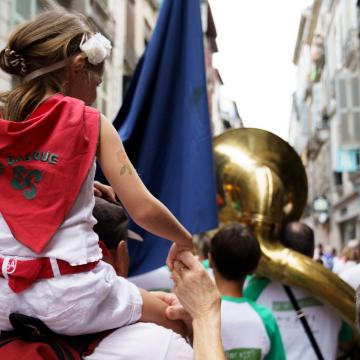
(76, 304)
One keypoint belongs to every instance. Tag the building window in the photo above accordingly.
(22, 10)
(338, 179)
(348, 231)
(348, 160)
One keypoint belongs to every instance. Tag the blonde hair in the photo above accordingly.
(51, 37)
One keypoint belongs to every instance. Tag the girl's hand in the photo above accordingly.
(175, 250)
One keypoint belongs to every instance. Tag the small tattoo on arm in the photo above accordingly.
(122, 159)
(124, 168)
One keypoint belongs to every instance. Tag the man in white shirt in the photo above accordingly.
(325, 325)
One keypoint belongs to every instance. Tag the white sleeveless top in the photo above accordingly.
(74, 241)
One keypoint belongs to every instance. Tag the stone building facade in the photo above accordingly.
(325, 123)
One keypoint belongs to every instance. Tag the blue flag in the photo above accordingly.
(165, 127)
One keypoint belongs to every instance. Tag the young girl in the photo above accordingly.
(49, 136)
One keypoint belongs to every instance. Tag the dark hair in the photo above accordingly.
(299, 237)
(235, 252)
(112, 222)
(204, 242)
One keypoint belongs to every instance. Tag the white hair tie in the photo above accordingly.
(97, 48)
(47, 69)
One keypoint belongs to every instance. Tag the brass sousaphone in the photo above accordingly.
(261, 182)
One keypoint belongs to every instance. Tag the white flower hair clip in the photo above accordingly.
(97, 48)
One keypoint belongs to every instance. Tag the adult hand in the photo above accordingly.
(194, 288)
(200, 298)
(175, 311)
(104, 191)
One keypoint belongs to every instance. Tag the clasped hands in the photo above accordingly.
(194, 296)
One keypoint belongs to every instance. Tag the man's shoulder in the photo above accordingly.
(256, 285)
(259, 287)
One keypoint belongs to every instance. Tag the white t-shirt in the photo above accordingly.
(142, 341)
(325, 324)
(249, 331)
(344, 266)
(158, 279)
(352, 276)
(339, 264)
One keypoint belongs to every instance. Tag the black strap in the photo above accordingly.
(33, 330)
(305, 324)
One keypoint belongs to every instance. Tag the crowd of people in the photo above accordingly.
(63, 251)
(346, 264)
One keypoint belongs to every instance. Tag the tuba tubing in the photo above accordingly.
(295, 269)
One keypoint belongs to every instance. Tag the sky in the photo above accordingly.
(256, 41)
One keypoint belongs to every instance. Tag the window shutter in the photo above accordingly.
(348, 110)
(342, 109)
(354, 81)
(355, 110)
(344, 129)
(341, 95)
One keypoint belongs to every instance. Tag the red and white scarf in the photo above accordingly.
(44, 161)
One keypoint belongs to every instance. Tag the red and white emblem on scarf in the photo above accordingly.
(11, 266)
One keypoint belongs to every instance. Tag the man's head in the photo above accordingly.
(299, 237)
(112, 222)
(234, 252)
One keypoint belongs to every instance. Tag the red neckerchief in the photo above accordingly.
(44, 161)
